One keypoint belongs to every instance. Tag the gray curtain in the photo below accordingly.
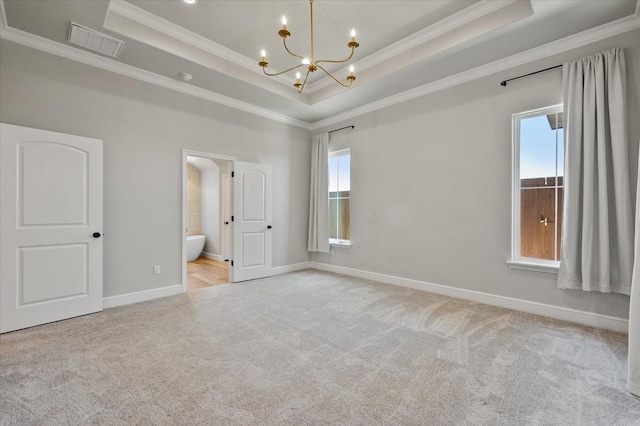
(319, 195)
(597, 222)
(633, 384)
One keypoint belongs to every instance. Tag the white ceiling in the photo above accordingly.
(406, 47)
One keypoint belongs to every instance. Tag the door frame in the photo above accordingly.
(192, 153)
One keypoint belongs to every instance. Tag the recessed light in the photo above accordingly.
(190, 1)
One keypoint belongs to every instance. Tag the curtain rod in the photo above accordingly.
(341, 128)
(504, 83)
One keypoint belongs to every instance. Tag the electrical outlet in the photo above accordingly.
(156, 270)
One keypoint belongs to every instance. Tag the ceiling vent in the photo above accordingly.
(93, 40)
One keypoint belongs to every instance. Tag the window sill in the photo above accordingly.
(537, 265)
(339, 243)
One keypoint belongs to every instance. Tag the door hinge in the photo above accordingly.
(231, 218)
(232, 263)
(233, 174)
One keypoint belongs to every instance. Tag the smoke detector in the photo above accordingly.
(94, 40)
(185, 76)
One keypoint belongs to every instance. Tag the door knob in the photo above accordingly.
(268, 226)
(96, 235)
(226, 223)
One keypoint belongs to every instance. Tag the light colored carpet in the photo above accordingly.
(313, 348)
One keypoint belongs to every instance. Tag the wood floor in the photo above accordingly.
(205, 272)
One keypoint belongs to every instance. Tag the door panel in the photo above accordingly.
(253, 196)
(52, 273)
(252, 224)
(51, 265)
(61, 198)
(253, 249)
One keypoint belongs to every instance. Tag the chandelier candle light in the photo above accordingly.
(312, 64)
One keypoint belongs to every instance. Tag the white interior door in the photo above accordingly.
(252, 221)
(51, 206)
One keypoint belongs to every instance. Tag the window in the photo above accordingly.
(339, 196)
(538, 169)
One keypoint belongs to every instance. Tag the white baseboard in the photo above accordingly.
(591, 319)
(290, 268)
(620, 325)
(141, 296)
(156, 293)
(634, 388)
(217, 257)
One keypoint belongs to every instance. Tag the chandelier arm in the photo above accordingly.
(305, 81)
(281, 72)
(284, 40)
(353, 49)
(331, 75)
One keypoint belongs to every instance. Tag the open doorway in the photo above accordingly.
(206, 212)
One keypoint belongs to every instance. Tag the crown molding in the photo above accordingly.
(611, 29)
(148, 19)
(620, 26)
(437, 29)
(144, 27)
(162, 25)
(74, 54)
(170, 29)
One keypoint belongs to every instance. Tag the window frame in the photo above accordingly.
(517, 261)
(334, 154)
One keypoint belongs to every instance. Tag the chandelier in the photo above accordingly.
(310, 62)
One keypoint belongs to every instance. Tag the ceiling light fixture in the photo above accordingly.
(190, 1)
(310, 62)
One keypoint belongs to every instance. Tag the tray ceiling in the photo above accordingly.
(404, 45)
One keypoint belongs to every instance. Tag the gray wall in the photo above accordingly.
(431, 178)
(431, 188)
(144, 129)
